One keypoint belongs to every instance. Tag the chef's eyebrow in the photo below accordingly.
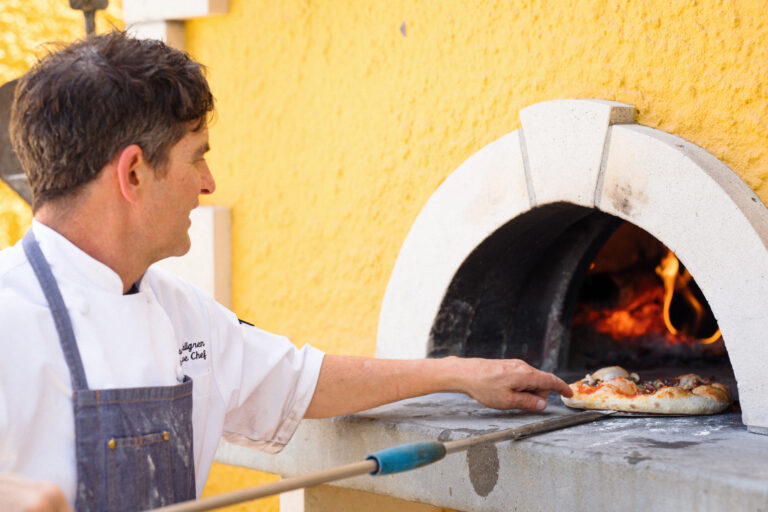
(201, 150)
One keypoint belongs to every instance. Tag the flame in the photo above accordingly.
(667, 271)
(678, 282)
(646, 313)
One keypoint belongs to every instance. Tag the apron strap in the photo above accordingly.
(58, 309)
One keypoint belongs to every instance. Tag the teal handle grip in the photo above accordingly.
(407, 456)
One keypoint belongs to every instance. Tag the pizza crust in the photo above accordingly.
(623, 394)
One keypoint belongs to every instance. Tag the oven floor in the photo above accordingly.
(674, 463)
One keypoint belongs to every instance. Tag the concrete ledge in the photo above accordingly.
(694, 463)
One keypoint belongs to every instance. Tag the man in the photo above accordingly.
(118, 379)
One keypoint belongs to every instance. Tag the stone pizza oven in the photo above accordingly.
(495, 261)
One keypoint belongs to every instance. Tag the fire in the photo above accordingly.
(642, 316)
(647, 312)
(679, 282)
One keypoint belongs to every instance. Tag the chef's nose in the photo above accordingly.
(207, 183)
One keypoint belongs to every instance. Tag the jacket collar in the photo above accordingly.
(69, 261)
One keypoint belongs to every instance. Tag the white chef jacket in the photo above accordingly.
(245, 380)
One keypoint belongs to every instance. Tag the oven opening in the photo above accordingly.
(571, 289)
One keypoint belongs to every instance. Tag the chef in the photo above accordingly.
(118, 379)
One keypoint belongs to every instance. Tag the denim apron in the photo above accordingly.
(133, 445)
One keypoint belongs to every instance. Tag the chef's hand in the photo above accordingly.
(510, 384)
(19, 494)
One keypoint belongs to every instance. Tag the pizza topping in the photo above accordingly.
(584, 388)
(610, 372)
(590, 380)
(691, 380)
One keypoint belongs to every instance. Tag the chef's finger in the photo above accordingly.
(546, 381)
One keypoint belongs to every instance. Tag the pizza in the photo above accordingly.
(613, 388)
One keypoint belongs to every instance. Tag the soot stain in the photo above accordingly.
(667, 445)
(483, 463)
(635, 458)
(623, 196)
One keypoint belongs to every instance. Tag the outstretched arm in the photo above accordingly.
(349, 384)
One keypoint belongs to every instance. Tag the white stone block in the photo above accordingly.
(170, 32)
(564, 142)
(156, 10)
(207, 265)
(484, 193)
(717, 227)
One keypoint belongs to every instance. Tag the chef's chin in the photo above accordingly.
(180, 248)
(186, 246)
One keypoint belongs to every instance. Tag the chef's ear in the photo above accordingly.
(131, 171)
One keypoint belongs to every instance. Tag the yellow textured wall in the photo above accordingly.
(337, 120)
(224, 478)
(25, 26)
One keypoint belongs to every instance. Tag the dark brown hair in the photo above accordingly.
(81, 105)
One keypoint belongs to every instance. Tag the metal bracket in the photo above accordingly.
(89, 8)
(10, 168)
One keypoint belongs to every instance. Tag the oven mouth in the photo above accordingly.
(518, 292)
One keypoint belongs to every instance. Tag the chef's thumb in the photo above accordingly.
(529, 402)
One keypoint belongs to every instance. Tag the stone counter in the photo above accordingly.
(674, 463)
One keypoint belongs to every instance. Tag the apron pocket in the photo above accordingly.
(139, 472)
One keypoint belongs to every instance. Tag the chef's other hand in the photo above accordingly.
(510, 384)
(19, 494)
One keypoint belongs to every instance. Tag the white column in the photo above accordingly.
(162, 19)
(207, 265)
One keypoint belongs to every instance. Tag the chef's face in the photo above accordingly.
(175, 195)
